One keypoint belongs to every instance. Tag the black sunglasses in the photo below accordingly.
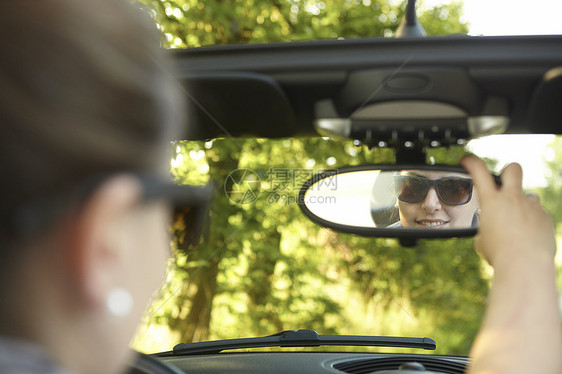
(190, 204)
(450, 190)
(190, 207)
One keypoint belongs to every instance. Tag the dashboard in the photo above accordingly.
(315, 362)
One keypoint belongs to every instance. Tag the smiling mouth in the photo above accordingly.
(431, 223)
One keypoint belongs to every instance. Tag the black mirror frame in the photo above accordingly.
(405, 233)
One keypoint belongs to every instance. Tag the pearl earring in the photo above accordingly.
(119, 302)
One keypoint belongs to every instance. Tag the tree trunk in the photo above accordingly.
(196, 325)
(222, 158)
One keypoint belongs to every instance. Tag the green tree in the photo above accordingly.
(263, 267)
(193, 23)
(551, 192)
(550, 195)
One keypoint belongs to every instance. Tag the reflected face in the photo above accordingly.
(436, 199)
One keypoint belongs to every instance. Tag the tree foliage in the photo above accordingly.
(262, 267)
(194, 23)
(550, 195)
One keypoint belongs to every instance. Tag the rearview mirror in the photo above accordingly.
(419, 201)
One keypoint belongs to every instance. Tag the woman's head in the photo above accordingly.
(85, 93)
(436, 199)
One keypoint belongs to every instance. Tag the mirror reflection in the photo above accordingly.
(404, 198)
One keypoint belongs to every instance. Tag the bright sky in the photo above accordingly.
(528, 150)
(510, 17)
(513, 17)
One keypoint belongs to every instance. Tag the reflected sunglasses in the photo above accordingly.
(189, 203)
(450, 190)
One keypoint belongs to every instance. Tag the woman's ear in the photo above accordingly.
(92, 253)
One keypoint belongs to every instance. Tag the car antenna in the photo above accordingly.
(409, 27)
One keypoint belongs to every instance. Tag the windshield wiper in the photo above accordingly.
(303, 338)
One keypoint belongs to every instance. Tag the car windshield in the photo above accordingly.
(261, 266)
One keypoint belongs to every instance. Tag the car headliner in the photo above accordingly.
(273, 90)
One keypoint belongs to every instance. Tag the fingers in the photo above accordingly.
(483, 180)
(512, 178)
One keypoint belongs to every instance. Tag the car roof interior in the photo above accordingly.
(280, 89)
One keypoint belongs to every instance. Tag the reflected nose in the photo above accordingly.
(431, 203)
